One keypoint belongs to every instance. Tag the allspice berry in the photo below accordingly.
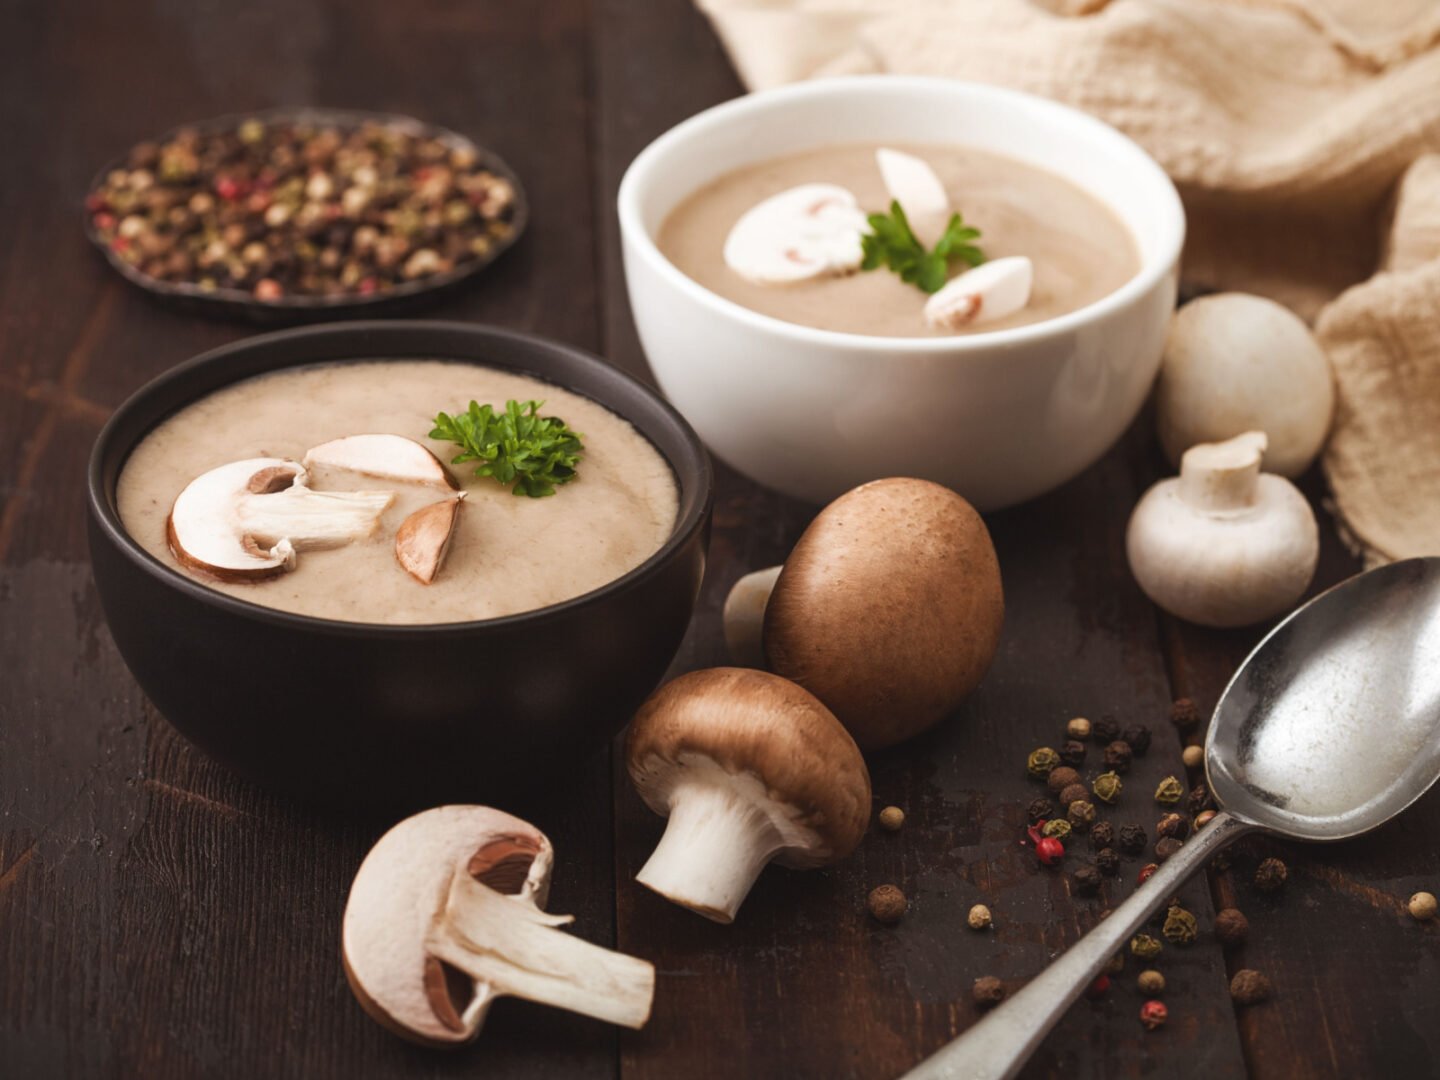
(1249, 987)
(1039, 809)
(887, 903)
(1107, 787)
(1073, 753)
(1102, 834)
(1081, 815)
(1061, 777)
(1184, 714)
(1107, 861)
(1231, 926)
(1270, 875)
(1422, 906)
(1087, 881)
(1145, 947)
(1180, 927)
(1132, 839)
(1118, 755)
(1138, 737)
(1073, 793)
(988, 991)
(1040, 762)
(1165, 847)
(1079, 728)
(979, 917)
(891, 818)
(1194, 756)
(1170, 791)
(1151, 983)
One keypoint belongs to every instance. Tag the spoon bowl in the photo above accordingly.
(1329, 729)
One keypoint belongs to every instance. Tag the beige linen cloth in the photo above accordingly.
(1298, 135)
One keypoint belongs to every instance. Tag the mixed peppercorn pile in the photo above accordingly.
(296, 209)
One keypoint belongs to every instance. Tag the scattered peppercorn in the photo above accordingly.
(1107, 787)
(1151, 982)
(1040, 762)
(1145, 947)
(1167, 846)
(1105, 731)
(1231, 926)
(1170, 791)
(1099, 987)
(1270, 875)
(1056, 829)
(1116, 963)
(1176, 825)
(1078, 728)
(1204, 818)
(1039, 809)
(891, 818)
(887, 903)
(1180, 927)
(1422, 906)
(1061, 777)
(1138, 738)
(1087, 881)
(1107, 861)
(1198, 799)
(1153, 1015)
(1132, 839)
(1073, 753)
(988, 991)
(1102, 834)
(1184, 714)
(1081, 815)
(1073, 793)
(1249, 987)
(1146, 873)
(1194, 756)
(1117, 756)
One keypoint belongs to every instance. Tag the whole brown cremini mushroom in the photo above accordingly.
(888, 609)
(445, 915)
(749, 768)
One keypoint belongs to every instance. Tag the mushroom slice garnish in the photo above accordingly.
(246, 520)
(389, 457)
(913, 184)
(809, 231)
(445, 916)
(991, 291)
(424, 537)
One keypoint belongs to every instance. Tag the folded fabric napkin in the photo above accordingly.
(1294, 131)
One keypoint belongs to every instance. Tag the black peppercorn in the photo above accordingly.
(1231, 926)
(1132, 839)
(1102, 834)
(1184, 714)
(1117, 756)
(1198, 799)
(1105, 731)
(1165, 847)
(1270, 875)
(1073, 753)
(1176, 825)
(1039, 809)
(1107, 861)
(1138, 736)
(1087, 881)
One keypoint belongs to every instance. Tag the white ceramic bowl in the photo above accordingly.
(1000, 416)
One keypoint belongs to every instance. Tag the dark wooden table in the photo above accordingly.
(160, 918)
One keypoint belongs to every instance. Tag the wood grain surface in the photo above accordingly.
(160, 918)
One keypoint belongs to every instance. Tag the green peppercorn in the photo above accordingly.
(1057, 829)
(1170, 791)
(1107, 787)
(1145, 947)
(1180, 927)
(1040, 762)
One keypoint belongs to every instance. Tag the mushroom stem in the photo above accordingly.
(514, 948)
(716, 842)
(1223, 477)
(744, 616)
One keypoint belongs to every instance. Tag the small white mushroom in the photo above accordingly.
(246, 520)
(1223, 544)
(749, 768)
(744, 616)
(913, 184)
(424, 537)
(445, 916)
(990, 291)
(809, 231)
(1235, 363)
(389, 457)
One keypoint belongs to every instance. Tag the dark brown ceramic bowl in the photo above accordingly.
(239, 304)
(351, 713)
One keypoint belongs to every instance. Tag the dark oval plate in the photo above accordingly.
(239, 304)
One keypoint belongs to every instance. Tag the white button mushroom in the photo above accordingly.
(1223, 544)
(991, 291)
(1235, 363)
(809, 231)
(445, 916)
(914, 185)
(749, 768)
(390, 457)
(888, 609)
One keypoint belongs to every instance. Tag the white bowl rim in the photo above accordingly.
(738, 109)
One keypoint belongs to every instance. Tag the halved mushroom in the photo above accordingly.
(389, 457)
(246, 520)
(914, 185)
(809, 231)
(445, 916)
(424, 537)
(888, 609)
(749, 768)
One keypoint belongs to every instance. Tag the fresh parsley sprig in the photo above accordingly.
(517, 447)
(891, 243)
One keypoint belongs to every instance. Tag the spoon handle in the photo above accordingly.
(996, 1047)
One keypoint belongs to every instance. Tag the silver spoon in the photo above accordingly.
(1330, 728)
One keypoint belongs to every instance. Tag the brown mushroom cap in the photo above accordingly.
(750, 721)
(889, 608)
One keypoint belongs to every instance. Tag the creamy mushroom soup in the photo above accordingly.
(1079, 249)
(507, 553)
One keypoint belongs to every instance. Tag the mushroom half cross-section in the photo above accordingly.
(749, 768)
(445, 915)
